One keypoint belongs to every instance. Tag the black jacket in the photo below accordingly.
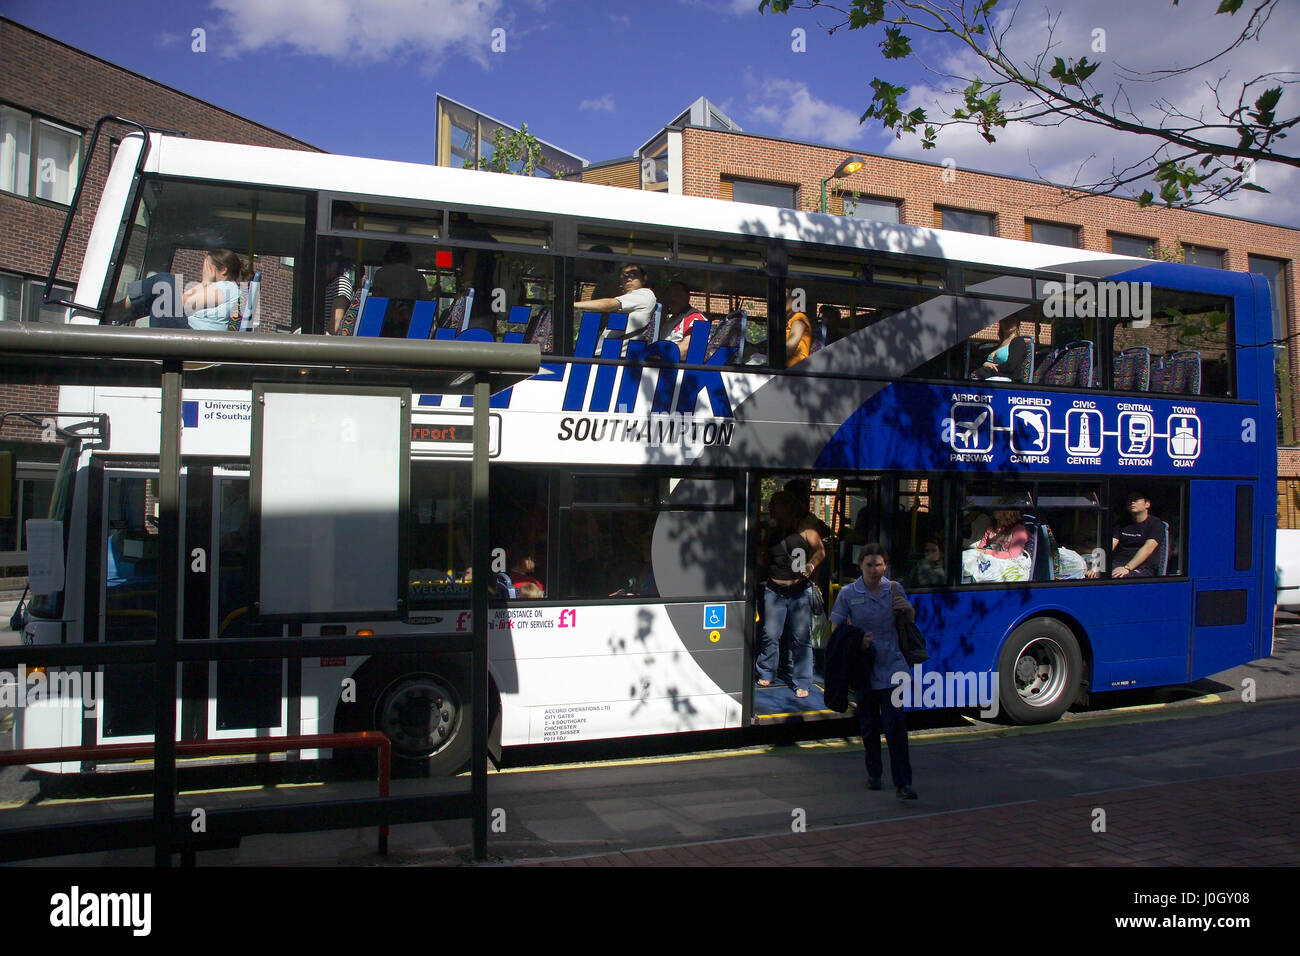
(847, 665)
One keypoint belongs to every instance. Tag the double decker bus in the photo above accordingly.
(631, 476)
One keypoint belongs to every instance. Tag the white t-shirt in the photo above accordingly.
(639, 304)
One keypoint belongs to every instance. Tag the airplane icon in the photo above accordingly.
(971, 429)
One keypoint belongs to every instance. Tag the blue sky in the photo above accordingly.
(599, 78)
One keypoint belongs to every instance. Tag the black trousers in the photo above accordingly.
(877, 714)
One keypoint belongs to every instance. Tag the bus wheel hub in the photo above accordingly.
(418, 715)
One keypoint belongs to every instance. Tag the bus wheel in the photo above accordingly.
(1039, 671)
(427, 718)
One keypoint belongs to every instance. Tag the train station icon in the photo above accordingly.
(1136, 434)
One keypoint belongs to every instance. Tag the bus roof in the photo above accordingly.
(294, 169)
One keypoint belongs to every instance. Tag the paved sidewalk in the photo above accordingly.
(1251, 820)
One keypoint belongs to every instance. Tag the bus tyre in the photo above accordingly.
(426, 715)
(1039, 671)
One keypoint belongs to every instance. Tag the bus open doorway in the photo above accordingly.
(842, 514)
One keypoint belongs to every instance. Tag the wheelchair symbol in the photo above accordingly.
(715, 615)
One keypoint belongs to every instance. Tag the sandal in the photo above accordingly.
(764, 683)
(802, 692)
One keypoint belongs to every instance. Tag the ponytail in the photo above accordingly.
(234, 266)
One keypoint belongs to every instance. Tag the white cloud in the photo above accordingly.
(788, 108)
(1138, 36)
(603, 105)
(360, 30)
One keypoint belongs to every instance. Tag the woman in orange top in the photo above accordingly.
(798, 333)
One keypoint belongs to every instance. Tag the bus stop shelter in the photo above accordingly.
(171, 360)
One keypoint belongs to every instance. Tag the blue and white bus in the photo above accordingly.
(631, 476)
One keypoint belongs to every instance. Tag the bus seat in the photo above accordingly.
(1161, 374)
(818, 336)
(1133, 369)
(1185, 372)
(247, 316)
(372, 312)
(1026, 370)
(729, 333)
(352, 319)
(539, 329)
(456, 315)
(422, 319)
(1162, 550)
(653, 335)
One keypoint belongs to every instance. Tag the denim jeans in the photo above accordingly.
(787, 617)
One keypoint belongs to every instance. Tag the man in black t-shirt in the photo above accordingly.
(1135, 544)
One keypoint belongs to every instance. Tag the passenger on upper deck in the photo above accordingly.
(1008, 359)
(798, 332)
(681, 314)
(338, 289)
(210, 304)
(401, 283)
(637, 301)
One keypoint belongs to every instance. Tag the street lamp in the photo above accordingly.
(850, 165)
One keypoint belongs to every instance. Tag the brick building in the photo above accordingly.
(703, 153)
(51, 96)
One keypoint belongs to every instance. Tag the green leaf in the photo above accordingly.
(1229, 6)
(1254, 187)
(1146, 198)
(896, 46)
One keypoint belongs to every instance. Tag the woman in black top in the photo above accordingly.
(1008, 359)
(790, 558)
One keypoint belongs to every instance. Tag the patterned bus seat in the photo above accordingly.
(1133, 369)
(1185, 372)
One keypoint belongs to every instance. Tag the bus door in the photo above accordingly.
(860, 511)
(127, 597)
(1223, 558)
(229, 698)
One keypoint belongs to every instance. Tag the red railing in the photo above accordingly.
(225, 747)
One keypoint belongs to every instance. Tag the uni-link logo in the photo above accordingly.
(676, 390)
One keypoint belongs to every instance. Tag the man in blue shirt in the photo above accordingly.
(871, 603)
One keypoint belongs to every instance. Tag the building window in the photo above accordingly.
(1137, 246)
(37, 158)
(1274, 270)
(961, 220)
(1053, 234)
(1202, 256)
(764, 194)
(23, 300)
(654, 165)
(868, 207)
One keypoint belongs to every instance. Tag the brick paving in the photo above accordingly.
(1249, 820)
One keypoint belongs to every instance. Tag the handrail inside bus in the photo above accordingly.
(76, 200)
